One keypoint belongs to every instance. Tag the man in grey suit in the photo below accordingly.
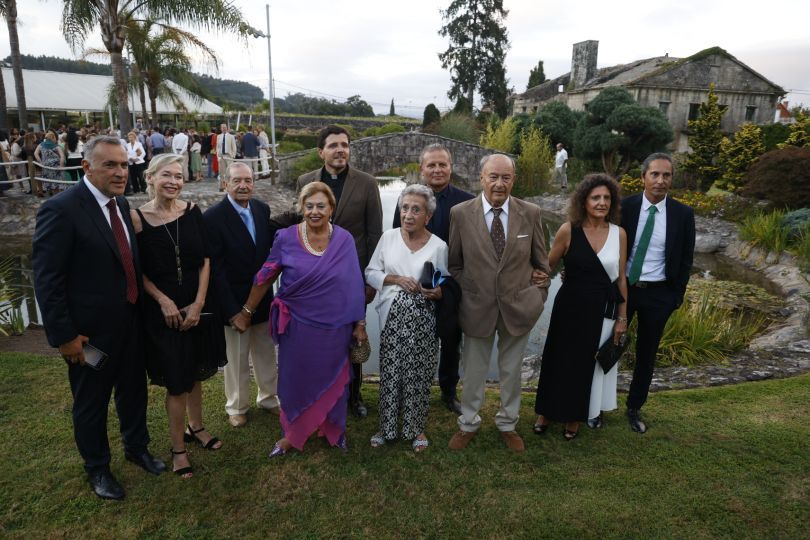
(496, 251)
(359, 211)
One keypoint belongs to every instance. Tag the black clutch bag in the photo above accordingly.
(426, 279)
(609, 353)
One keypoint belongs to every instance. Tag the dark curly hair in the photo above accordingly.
(576, 206)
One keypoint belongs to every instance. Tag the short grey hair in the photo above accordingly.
(486, 159)
(419, 189)
(237, 164)
(654, 156)
(435, 147)
(90, 146)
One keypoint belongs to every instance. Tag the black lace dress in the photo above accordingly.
(176, 359)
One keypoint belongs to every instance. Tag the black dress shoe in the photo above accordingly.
(636, 424)
(452, 403)
(105, 485)
(147, 462)
(358, 409)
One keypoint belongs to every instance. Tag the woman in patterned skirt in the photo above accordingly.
(408, 342)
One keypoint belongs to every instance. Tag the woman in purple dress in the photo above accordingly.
(317, 313)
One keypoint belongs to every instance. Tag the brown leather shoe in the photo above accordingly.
(460, 440)
(275, 411)
(237, 420)
(513, 441)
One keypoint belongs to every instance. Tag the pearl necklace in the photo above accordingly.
(307, 245)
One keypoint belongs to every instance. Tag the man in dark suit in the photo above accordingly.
(238, 231)
(436, 168)
(359, 211)
(662, 232)
(88, 281)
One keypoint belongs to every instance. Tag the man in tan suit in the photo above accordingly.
(497, 248)
(359, 211)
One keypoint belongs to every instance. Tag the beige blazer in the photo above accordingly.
(230, 145)
(491, 287)
(359, 210)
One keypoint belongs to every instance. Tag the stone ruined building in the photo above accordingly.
(675, 86)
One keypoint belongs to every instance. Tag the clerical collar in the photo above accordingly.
(341, 176)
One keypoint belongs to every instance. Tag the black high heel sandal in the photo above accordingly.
(191, 436)
(183, 471)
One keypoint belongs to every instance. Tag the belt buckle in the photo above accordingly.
(641, 284)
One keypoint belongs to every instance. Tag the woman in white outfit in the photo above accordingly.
(408, 342)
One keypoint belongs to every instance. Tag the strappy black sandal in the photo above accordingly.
(183, 471)
(191, 436)
(570, 435)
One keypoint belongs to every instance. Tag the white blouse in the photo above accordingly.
(393, 256)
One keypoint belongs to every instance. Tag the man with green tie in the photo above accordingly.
(662, 232)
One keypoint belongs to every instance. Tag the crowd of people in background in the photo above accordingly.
(57, 154)
(168, 291)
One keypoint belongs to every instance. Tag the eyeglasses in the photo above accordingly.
(413, 210)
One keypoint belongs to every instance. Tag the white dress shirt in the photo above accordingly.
(180, 143)
(102, 201)
(653, 268)
(489, 215)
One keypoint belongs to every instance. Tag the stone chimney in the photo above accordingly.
(583, 62)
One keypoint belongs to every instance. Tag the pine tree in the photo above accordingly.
(392, 112)
(737, 155)
(536, 75)
(431, 116)
(705, 142)
(477, 51)
(799, 132)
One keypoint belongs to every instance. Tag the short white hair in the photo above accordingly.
(419, 189)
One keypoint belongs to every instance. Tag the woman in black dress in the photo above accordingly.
(589, 307)
(183, 346)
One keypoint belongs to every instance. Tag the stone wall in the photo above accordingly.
(315, 123)
(377, 154)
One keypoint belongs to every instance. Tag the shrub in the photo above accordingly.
(799, 132)
(535, 163)
(631, 185)
(765, 230)
(796, 222)
(310, 162)
(802, 249)
(774, 134)
(391, 128)
(350, 129)
(308, 140)
(372, 131)
(704, 331)
(459, 127)
(781, 176)
(431, 116)
(288, 147)
(737, 155)
(500, 135)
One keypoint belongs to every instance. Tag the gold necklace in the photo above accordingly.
(306, 240)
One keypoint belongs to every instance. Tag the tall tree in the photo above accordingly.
(477, 50)
(431, 116)
(392, 111)
(536, 75)
(82, 17)
(705, 141)
(3, 103)
(8, 9)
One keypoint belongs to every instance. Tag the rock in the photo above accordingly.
(707, 243)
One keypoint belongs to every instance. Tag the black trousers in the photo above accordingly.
(653, 306)
(357, 381)
(91, 399)
(137, 183)
(448, 362)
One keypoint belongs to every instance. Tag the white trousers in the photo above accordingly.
(252, 347)
(265, 160)
(475, 361)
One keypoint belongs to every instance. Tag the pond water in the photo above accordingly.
(21, 279)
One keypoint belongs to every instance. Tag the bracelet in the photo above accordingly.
(361, 323)
(248, 310)
(621, 319)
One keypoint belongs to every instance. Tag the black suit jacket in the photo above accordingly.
(439, 223)
(680, 240)
(235, 259)
(79, 277)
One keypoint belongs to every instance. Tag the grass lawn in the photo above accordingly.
(732, 461)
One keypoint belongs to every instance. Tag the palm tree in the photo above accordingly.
(81, 17)
(8, 9)
(158, 58)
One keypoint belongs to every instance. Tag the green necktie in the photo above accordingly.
(643, 244)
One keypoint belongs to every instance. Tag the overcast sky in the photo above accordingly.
(384, 49)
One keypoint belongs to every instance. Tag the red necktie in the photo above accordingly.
(125, 250)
